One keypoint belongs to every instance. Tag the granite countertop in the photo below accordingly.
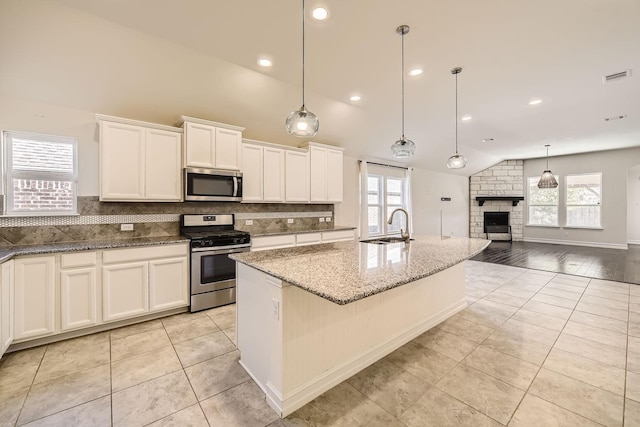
(345, 272)
(306, 230)
(6, 253)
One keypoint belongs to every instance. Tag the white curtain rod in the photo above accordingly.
(382, 164)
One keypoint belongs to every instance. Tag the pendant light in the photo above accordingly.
(457, 161)
(547, 180)
(302, 122)
(403, 147)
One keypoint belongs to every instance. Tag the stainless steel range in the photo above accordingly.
(213, 274)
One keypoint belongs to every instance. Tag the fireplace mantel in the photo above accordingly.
(513, 199)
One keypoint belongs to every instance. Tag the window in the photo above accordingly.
(386, 191)
(542, 204)
(584, 195)
(40, 174)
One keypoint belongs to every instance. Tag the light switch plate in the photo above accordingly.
(126, 227)
(321, 219)
(248, 222)
(328, 219)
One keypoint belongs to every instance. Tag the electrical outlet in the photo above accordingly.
(126, 227)
(290, 221)
(248, 222)
(276, 308)
(328, 219)
(321, 219)
(566, 234)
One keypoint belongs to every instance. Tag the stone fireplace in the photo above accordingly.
(503, 180)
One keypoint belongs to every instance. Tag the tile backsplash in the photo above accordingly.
(101, 220)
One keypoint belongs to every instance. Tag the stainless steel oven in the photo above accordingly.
(212, 185)
(213, 274)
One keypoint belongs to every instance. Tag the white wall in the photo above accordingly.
(633, 205)
(614, 165)
(427, 189)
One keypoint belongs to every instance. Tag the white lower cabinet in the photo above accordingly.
(34, 310)
(6, 306)
(137, 281)
(167, 279)
(79, 295)
(125, 290)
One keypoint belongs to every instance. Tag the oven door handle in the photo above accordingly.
(224, 249)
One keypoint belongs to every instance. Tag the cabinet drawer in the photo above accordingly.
(143, 253)
(272, 242)
(79, 259)
(337, 236)
(308, 238)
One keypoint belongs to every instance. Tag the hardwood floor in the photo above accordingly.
(609, 264)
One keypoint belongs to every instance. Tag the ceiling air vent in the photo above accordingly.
(612, 118)
(616, 76)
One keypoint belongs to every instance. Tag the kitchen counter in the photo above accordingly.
(348, 271)
(6, 253)
(303, 231)
(310, 317)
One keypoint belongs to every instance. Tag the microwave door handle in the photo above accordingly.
(235, 186)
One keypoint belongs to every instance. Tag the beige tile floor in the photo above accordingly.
(532, 349)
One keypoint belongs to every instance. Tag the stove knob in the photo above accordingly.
(209, 242)
(196, 244)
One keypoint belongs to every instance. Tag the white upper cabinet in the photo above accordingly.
(139, 161)
(296, 176)
(325, 175)
(262, 172)
(211, 145)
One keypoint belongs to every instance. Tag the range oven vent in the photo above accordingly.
(616, 76)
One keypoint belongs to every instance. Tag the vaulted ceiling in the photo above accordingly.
(158, 59)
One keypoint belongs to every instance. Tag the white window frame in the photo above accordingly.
(9, 174)
(385, 172)
(567, 205)
(529, 205)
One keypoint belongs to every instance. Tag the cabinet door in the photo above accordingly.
(6, 307)
(78, 298)
(168, 283)
(252, 158)
(296, 176)
(163, 165)
(125, 290)
(200, 145)
(34, 297)
(227, 149)
(317, 174)
(121, 161)
(334, 175)
(273, 185)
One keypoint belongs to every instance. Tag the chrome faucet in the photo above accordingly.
(405, 236)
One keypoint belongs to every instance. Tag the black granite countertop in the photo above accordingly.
(8, 252)
(301, 231)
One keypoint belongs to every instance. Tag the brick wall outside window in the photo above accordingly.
(36, 195)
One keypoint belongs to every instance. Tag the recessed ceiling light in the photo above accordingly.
(415, 72)
(264, 62)
(320, 13)
(535, 102)
(465, 118)
(355, 98)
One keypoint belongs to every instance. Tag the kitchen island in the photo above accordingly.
(310, 317)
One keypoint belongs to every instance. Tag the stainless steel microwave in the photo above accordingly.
(212, 185)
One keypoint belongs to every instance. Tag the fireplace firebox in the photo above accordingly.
(496, 222)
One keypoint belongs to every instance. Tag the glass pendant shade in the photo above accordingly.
(547, 180)
(302, 123)
(457, 161)
(403, 148)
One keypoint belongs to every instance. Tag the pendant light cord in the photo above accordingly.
(547, 157)
(402, 84)
(303, 16)
(457, 113)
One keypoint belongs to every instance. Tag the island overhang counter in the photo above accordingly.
(310, 317)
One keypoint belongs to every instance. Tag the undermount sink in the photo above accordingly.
(384, 240)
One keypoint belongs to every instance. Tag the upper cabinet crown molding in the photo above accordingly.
(148, 125)
(184, 119)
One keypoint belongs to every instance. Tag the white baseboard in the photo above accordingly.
(297, 398)
(577, 243)
(634, 242)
